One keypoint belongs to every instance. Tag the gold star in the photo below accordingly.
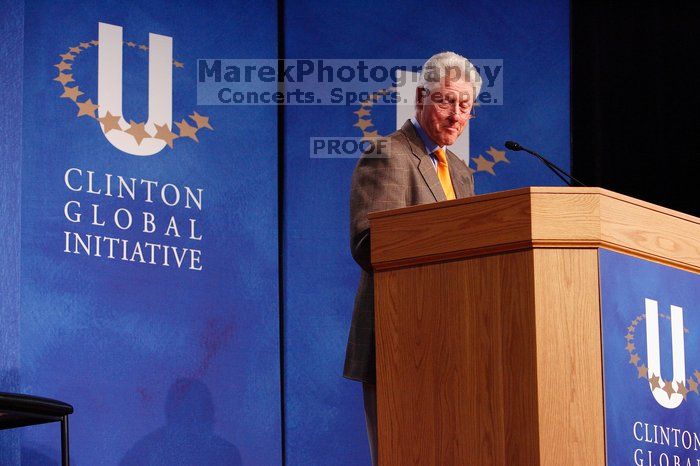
(186, 130)
(138, 131)
(67, 56)
(110, 122)
(654, 382)
(668, 388)
(497, 155)
(693, 385)
(143, 47)
(178, 64)
(94, 42)
(71, 93)
(164, 134)
(630, 328)
(202, 121)
(363, 124)
(64, 78)
(130, 44)
(697, 375)
(366, 103)
(483, 165)
(361, 112)
(681, 389)
(85, 44)
(86, 108)
(629, 347)
(629, 337)
(63, 66)
(642, 371)
(634, 359)
(75, 50)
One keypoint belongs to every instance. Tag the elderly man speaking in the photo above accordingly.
(416, 168)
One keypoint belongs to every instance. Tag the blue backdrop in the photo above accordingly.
(135, 345)
(165, 365)
(11, 53)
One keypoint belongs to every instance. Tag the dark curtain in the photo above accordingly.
(634, 100)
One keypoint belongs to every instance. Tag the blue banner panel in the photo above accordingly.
(11, 50)
(149, 236)
(651, 347)
(324, 413)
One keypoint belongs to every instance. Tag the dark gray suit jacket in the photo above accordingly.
(403, 176)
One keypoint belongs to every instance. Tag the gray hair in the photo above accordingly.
(445, 64)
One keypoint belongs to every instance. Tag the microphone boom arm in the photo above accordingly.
(514, 146)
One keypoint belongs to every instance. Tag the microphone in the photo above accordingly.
(515, 147)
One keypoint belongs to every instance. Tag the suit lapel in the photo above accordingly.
(425, 165)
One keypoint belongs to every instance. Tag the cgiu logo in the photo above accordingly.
(667, 393)
(129, 136)
(160, 89)
(663, 392)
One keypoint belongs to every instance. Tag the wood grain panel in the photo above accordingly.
(461, 227)
(535, 217)
(637, 229)
(456, 361)
(565, 217)
(569, 357)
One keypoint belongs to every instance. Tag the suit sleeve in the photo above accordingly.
(378, 183)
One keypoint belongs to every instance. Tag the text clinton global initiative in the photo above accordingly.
(143, 210)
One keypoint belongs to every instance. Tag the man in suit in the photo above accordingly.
(413, 168)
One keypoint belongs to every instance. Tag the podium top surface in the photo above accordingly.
(535, 217)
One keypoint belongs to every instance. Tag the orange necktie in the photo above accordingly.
(443, 173)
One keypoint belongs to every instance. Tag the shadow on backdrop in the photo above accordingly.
(188, 438)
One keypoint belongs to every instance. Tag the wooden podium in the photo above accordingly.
(488, 325)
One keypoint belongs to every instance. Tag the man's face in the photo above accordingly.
(443, 112)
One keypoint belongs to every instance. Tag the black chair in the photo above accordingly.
(25, 410)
